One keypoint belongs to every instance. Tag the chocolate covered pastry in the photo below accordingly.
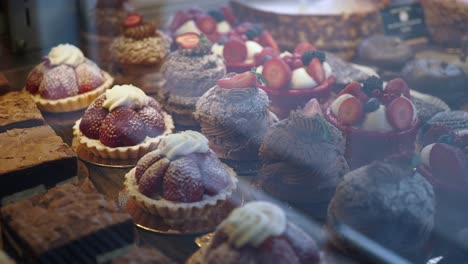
(303, 160)
(387, 203)
(70, 223)
(384, 52)
(438, 78)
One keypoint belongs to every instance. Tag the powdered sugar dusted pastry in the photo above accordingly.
(66, 80)
(183, 182)
(188, 73)
(234, 116)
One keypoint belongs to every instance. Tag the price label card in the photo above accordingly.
(406, 21)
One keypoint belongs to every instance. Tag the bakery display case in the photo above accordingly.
(261, 131)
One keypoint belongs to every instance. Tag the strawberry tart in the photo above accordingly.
(241, 46)
(293, 79)
(378, 120)
(234, 116)
(66, 80)
(303, 160)
(258, 233)
(139, 51)
(183, 182)
(188, 73)
(444, 163)
(124, 123)
(214, 23)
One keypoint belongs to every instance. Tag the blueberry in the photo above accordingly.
(372, 105)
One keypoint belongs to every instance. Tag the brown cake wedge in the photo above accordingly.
(18, 110)
(71, 223)
(33, 158)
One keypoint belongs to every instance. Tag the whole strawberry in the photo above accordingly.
(59, 82)
(92, 119)
(182, 183)
(122, 127)
(89, 76)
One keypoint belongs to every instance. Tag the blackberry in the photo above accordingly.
(251, 33)
(309, 55)
(372, 83)
(257, 28)
(222, 40)
(217, 15)
(372, 105)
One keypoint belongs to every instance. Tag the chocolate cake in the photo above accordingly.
(143, 255)
(18, 110)
(71, 223)
(32, 157)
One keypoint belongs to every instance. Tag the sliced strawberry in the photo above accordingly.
(303, 47)
(89, 76)
(179, 19)
(312, 108)
(448, 163)
(151, 181)
(242, 80)
(228, 15)
(183, 182)
(296, 64)
(277, 73)
(122, 127)
(355, 88)
(316, 71)
(235, 50)
(267, 51)
(400, 113)
(214, 37)
(133, 20)
(34, 79)
(145, 162)
(92, 119)
(398, 87)
(350, 111)
(188, 40)
(153, 120)
(267, 40)
(206, 24)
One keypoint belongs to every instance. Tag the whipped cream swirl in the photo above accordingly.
(66, 54)
(183, 143)
(254, 223)
(125, 95)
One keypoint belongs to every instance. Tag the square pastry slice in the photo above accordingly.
(33, 158)
(71, 223)
(18, 110)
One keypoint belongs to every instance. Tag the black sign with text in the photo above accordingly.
(406, 21)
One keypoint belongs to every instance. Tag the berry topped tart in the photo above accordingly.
(214, 23)
(234, 116)
(377, 119)
(182, 182)
(124, 123)
(66, 80)
(258, 233)
(294, 79)
(139, 51)
(188, 73)
(241, 46)
(444, 163)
